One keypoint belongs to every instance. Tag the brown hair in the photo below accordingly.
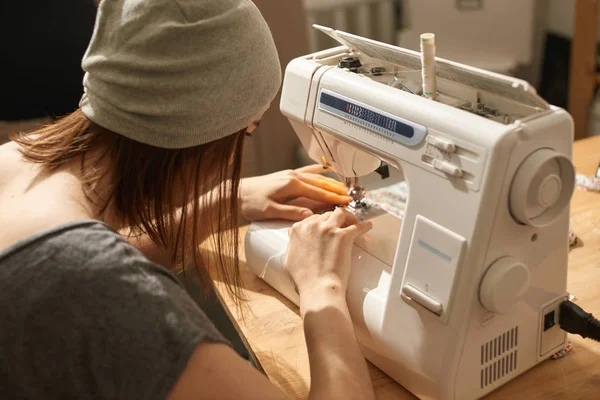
(148, 184)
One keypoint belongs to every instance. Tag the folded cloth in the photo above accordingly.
(587, 183)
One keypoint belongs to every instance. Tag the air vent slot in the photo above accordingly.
(499, 357)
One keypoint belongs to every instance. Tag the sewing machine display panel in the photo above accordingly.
(394, 128)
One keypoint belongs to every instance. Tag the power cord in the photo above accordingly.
(574, 320)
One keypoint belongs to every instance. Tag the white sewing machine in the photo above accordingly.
(460, 295)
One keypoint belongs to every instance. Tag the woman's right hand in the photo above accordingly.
(318, 260)
(318, 256)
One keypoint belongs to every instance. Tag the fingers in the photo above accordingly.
(311, 174)
(305, 182)
(359, 229)
(316, 207)
(324, 183)
(321, 195)
(342, 218)
(289, 212)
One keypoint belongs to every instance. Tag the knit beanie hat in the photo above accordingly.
(179, 73)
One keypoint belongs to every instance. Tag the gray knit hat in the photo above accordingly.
(179, 73)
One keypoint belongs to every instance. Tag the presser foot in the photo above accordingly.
(358, 205)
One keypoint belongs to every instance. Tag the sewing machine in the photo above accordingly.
(461, 294)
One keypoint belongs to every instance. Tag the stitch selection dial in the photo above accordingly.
(503, 285)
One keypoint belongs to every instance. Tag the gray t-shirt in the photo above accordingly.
(85, 315)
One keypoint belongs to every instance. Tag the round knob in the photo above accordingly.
(503, 285)
(541, 188)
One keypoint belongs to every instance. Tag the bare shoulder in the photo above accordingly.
(30, 202)
(215, 371)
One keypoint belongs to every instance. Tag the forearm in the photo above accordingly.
(338, 368)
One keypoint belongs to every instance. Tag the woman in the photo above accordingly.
(172, 89)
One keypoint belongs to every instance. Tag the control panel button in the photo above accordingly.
(421, 298)
(448, 168)
(442, 144)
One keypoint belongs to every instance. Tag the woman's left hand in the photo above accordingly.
(290, 194)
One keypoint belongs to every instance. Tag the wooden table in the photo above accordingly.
(272, 328)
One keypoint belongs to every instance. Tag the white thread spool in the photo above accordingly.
(428, 65)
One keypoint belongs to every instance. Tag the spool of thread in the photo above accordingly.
(428, 65)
